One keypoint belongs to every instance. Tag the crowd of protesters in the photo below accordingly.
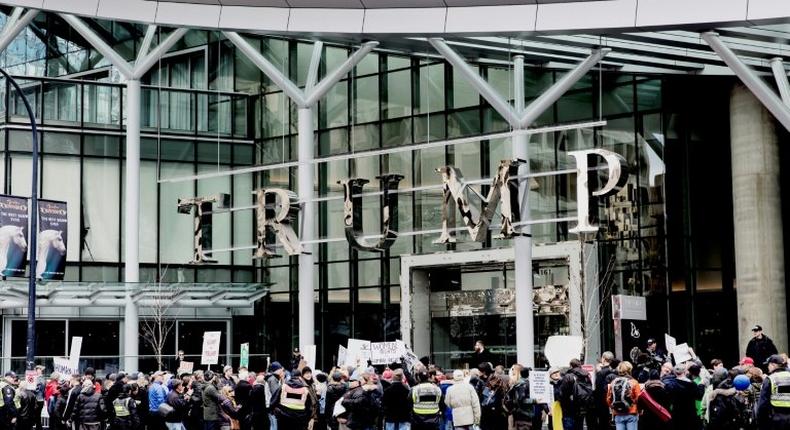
(653, 393)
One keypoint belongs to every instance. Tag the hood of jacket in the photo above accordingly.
(296, 383)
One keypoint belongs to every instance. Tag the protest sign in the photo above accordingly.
(341, 355)
(210, 354)
(244, 355)
(540, 387)
(185, 367)
(682, 353)
(386, 352)
(560, 350)
(309, 356)
(76, 350)
(670, 343)
(358, 352)
(63, 366)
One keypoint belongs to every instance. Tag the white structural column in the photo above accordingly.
(780, 74)
(757, 216)
(522, 261)
(132, 73)
(520, 117)
(305, 99)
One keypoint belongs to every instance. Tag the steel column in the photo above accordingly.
(306, 152)
(780, 74)
(756, 85)
(132, 224)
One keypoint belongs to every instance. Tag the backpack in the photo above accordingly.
(583, 395)
(489, 398)
(524, 405)
(622, 399)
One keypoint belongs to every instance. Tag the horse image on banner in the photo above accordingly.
(51, 253)
(13, 242)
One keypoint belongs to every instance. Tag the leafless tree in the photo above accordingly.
(159, 322)
(594, 301)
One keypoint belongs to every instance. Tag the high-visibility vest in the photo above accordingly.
(780, 389)
(293, 398)
(426, 398)
(2, 394)
(121, 407)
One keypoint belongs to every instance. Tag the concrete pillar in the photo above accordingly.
(306, 152)
(757, 214)
(132, 225)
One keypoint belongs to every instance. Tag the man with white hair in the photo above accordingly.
(462, 398)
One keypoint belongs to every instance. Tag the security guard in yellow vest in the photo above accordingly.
(124, 411)
(8, 407)
(427, 398)
(773, 407)
(293, 410)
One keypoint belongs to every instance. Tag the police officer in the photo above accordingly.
(124, 410)
(773, 407)
(8, 408)
(426, 398)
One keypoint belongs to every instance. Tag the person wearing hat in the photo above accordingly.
(227, 378)
(211, 402)
(273, 384)
(657, 356)
(683, 394)
(773, 406)
(760, 347)
(8, 410)
(397, 402)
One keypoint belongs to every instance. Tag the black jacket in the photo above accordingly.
(684, 394)
(294, 415)
(397, 403)
(760, 349)
(769, 417)
(89, 407)
(27, 405)
(8, 411)
(601, 386)
(180, 407)
(481, 357)
(648, 420)
(334, 392)
(569, 404)
(196, 401)
(363, 407)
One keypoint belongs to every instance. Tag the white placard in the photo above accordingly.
(386, 352)
(76, 350)
(681, 353)
(358, 352)
(629, 307)
(309, 356)
(540, 387)
(411, 359)
(210, 354)
(185, 367)
(341, 356)
(560, 350)
(63, 366)
(670, 343)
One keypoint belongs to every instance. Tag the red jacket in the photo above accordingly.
(50, 389)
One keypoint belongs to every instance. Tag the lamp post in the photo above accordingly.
(30, 351)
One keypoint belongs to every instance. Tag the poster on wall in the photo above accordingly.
(53, 232)
(14, 217)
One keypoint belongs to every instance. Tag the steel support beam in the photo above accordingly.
(14, 26)
(132, 73)
(756, 85)
(305, 100)
(780, 74)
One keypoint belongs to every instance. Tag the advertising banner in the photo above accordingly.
(14, 217)
(210, 354)
(52, 236)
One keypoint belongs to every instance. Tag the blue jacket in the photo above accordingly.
(448, 412)
(157, 394)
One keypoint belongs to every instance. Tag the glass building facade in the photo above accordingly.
(207, 108)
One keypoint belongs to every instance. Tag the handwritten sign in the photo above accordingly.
(309, 356)
(341, 355)
(64, 366)
(386, 352)
(76, 350)
(185, 367)
(210, 354)
(358, 352)
(682, 353)
(670, 342)
(540, 387)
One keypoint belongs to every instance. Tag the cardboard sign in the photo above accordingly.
(63, 366)
(341, 356)
(30, 378)
(210, 354)
(185, 367)
(76, 350)
(358, 352)
(309, 356)
(540, 387)
(681, 353)
(670, 343)
(244, 355)
(560, 350)
(386, 352)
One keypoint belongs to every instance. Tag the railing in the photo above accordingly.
(100, 105)
(107, 364)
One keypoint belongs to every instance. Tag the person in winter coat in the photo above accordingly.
(684, 394)
(463, 400)
(600, 417)
(242, 397)
(274, 381)
(648, 420)
(334, 392)
(125, 415)
(760, 347)
(27, 407)
(492, 407)
(56, 411)
(228, 409)
(622, 396)
(363, 404)
(397, 403)
(294, 408)
(307, 378)
(178, 399)
(259, 417)
(51, 389)
(426, 403)
(773, 406)
(726, 407)
(211, 402)
(194, 420)
(573, 409)
(88, 408)
(524, 409)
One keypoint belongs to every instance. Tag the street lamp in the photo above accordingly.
(30, 351)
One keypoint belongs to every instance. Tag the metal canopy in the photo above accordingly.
(13, 294)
